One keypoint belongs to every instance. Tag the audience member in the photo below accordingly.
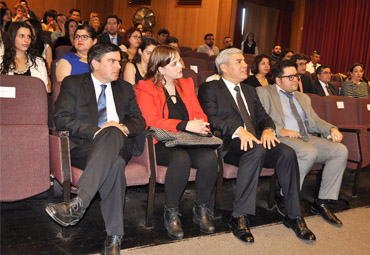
(296, 126)
(48, 22)
(135, 71)
(250, 143)
(111, 36)
(120, 27)
(174, 42)
(304, 83)
(30, 14)
(228, 43)
(6, 19)
(76, 15)
(3, 4)
(209, 46)
(286, 54)
(95, 23)
(276, 51)
(20, 55)
(139, 26)
(131, 43)
(69, 27)
(168, 101)
(314, 63)
(147, 32)
(60, 29)
(261, 70)
(322, 85)
(355, 86)
(105, 128)
(249, 46)
(92, 15)
(20, 13)
(75, 62)
(162, 35)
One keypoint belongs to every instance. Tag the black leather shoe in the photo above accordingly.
(240, 227)
(202, 216)
(66, 213)
(279, 202)
(325, 212)
(172, 223)
(112, 245)
(300, 228)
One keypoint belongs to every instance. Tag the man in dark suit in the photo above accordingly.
(105, 128)
(304, 83)
(112, 27)
(250, 143)
(322, 85)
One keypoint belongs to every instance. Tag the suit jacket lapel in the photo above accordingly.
(91, 98)
(277, 102)
(225, 91)
(250, 102)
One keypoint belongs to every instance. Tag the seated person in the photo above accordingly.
(61, 20)
(228, 43)
(131, 43)
(261, 71)
(162, 35)
(249, 46)
(286, 54)
(304, 83)
(174, 42)
(111, 36)
(19, 44)
(314, 63)
(135, 71)
(295, 122)
(70, 28)
(276, 51)
(322, 85)
(355, 86)
(75, 62)
(48, 22)
(209, 47)
(168, 101)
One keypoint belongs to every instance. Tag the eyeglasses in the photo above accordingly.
(291, 77)
(83, 37)
(136, 36)
(327, 73)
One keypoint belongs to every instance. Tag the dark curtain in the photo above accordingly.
(340, 30)
(284, 28)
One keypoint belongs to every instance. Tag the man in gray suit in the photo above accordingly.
(209, 47)
(295, 121)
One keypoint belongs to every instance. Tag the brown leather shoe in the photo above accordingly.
(112, 245)
(66, 213)
(240, 227)
(300, 228)
(172, 223)
(202, 216)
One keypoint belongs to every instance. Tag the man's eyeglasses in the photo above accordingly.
(291, 77)
(327, 73)
(136, 37)
(83, 37)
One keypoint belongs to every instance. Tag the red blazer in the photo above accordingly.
(152, 98)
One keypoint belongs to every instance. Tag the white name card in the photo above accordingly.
(7, 92)
(368, 107)
(340, 105)
(194, 68)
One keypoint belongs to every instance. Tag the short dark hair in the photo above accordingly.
(49, 13)
(284, 52)
(209, 34)
(163, 31)
(298, 56)
(23, 1)
(2, 2)
(257, 60)
(315, 52)
(98, 50)
(74, 10)
(110, 17)
(276, 44)
(171, 39)
(319, 69)
(278, 68)
(355, 65)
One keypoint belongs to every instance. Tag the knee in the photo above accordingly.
(208, 159)
(309, 155)
(181, 158)
(111, 132)
(259, 150)
(340, 150)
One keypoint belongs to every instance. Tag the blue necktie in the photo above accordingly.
(102, 107)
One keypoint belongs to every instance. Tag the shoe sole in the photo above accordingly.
(59, 221)
(202, 230)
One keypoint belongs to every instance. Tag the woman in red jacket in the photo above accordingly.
(168, 101)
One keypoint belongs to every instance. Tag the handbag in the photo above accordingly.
(186, 139)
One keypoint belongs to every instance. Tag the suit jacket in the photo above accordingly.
(105, 38)
(203, 48)
(307, 85)
(223, 113)
(320, 91)
(151, 100)
(270, 100)
(76, 111)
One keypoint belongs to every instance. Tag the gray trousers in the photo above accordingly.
(323, 151)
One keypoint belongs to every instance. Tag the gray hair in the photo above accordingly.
(225, 56)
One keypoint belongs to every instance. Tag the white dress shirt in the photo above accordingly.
(310, 68)
(323, 85)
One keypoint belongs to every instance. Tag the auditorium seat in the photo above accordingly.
(363, 106)
(189, 73)
(213, 57)
(184, 49)
(202, 76)
(212, 66)
(195, 63)
(195, 54)
(47, 37)
(336, 77)
(317, 103)
(61, 50)
(24, 158)
(53, 68)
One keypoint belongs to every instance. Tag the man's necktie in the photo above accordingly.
(329, 90)
(302, 128)
(300, 85)
(102, 107)
(243, 111)
(112, 40)
(314, 67)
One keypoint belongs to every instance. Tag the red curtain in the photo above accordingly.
(340, 30)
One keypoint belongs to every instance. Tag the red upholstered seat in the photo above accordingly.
(202, 76)
(184, 49)
(201, 64)
(189, 73)
(61, 50)
(195, 54)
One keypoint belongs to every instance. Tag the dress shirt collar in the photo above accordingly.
(97, 86)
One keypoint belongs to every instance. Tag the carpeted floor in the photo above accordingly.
(352, 238)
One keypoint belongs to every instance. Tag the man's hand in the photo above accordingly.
(268, 138)
(246, 138)
(336, 136)
(121, 127)
(290, 133)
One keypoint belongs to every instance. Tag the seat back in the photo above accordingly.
(317, 103)
(202, 76)
(200, 64)
(184, 49)
(189, 73)
(336, 77)
(61, 50)
(340, 110)
(53, 69)
(212, 66)
(363, 106)
(195, 54)
(213, 57)
(47, 37)
(24, 134)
